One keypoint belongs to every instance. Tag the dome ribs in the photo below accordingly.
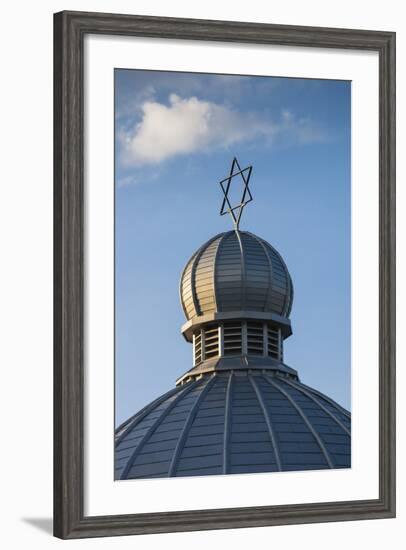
(204, 278)
(288, 287)
(335, 436)
(188, 279)
(154, 426)
(257, 268)
(305, 419)
(328, 399)
(290, 294)
(315, 400)
(140, 415)
(267, 304)
(227, 271)
(243, 270)
(251, 446)
(215, 288)
(267, 421)
(234, 422)
(236, 271)
(193, 279)
(202, 449)
(227, 426)
(185, 288)
(188, 423)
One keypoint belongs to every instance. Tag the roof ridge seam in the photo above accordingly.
(315, 400)
(270, 272)
(222, 238)
(305, 419)
(289, 290)
(227, 424)
(195, 259)
(243, 271)
(328, 399)
(186, 427)
(267, 421)
(154, 426)
(140, 415)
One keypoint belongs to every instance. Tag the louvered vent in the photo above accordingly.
(197, 344)
(237, 338)
(233, 338)
(274, 343)
(255, 338)
(211, 341)
(206, 343)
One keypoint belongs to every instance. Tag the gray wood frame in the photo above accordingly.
(70, 29)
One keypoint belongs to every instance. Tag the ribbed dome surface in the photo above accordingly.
(234, 423)
(236, 271)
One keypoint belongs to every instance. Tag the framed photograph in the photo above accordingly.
(224, 275)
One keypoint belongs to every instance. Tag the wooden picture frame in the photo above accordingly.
(69, 518)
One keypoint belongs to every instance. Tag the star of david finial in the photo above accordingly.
(246, 197)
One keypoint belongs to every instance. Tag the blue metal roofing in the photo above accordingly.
(234, 422)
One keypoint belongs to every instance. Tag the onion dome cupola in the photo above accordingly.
(240, 408)
(236, 271)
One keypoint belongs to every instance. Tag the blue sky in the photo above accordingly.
(176, 135)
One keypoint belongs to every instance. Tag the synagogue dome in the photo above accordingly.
(240, 408)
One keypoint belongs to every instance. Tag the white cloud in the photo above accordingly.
(126, 180)
(192, 125)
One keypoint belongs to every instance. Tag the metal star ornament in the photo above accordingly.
(246, 197)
